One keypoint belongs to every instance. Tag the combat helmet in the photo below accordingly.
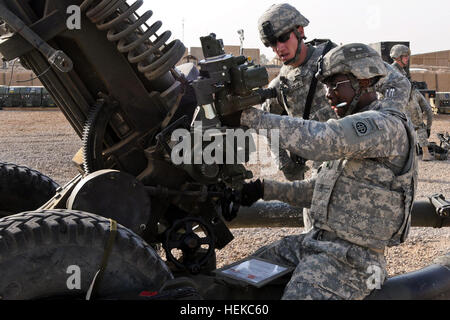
(356, 59)
(400, 50)
(278, 20)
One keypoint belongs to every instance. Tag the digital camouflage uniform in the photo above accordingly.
(394, 90)
(400, 69)
(415, 109)
(294, 83)
(397, 52)
(360, 201)
(417, 106)
(293, 87)
(364, 199)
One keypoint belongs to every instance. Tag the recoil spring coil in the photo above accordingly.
(125, 26)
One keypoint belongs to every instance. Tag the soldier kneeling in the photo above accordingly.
(362, 198)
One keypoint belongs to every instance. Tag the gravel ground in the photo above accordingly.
(43, 140)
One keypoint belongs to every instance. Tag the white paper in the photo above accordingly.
(255, 271)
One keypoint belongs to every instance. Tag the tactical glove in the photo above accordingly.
(251, 193)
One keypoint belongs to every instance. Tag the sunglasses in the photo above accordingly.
(336, 86)
(281, 39)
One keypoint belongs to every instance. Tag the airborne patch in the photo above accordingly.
(363, 127)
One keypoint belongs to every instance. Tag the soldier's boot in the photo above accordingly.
(427, 156)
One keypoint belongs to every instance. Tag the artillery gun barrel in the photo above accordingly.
(280, 215)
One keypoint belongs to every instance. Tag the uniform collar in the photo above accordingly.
(311, 50)
(374, 106)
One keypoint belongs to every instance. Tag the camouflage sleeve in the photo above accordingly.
(297, 194)
(426, 108)
(365, 135)
(324, 114)
(394, 88)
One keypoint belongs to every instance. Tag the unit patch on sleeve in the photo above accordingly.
(363, 127)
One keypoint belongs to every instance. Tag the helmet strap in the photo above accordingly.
(400, 62)
(358, 93)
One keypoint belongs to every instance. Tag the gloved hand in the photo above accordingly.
(429, 133)
(251, 193)
(294, 171)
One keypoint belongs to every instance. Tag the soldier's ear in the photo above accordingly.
(301, 30)
(365, 83)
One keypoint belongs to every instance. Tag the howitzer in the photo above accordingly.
(228, 84)
(116, 82)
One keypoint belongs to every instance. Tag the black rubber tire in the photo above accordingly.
(23, 189)
(37, 248)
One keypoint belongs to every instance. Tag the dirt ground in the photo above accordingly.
(43, 140)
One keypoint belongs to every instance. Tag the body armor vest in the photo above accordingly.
(362, 201)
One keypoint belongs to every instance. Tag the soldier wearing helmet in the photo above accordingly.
(417, 104)
(361, 200)
(415, 110)
(400, 54)
(282, 27)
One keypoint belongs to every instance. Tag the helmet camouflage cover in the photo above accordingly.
(400, 50)
(279, 19)
(357, 59)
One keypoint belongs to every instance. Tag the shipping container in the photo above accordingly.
(16, 97)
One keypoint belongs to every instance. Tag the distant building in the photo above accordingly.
(20, 76)
(436, 59)
(432, 68)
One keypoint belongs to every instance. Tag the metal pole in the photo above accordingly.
(242, 38)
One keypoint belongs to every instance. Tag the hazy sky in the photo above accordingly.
(425, 23)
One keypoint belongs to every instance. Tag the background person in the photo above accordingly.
(417, 104)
